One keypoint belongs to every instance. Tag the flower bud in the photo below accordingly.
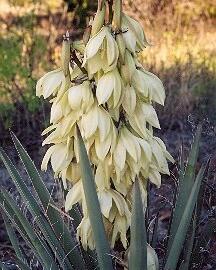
(65, 57)
(99, 19)
(128, 68)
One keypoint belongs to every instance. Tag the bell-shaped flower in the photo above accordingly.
(160, 155)
(101, 52)
(50, 83)
(109, 87)
(127, 143)
(75, 195)
(60, 107)
(149, 86)
(80, 96)
(129, 99)
(133, 34)
(84, 234)
(144, 113)
(60, 156)
(97, 119)
(128, 68)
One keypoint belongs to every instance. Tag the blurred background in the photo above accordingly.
(182, 54)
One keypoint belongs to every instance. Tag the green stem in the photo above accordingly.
(77, 61)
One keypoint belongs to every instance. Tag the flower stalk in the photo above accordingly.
(110, 97)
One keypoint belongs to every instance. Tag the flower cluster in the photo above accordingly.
(110, 96)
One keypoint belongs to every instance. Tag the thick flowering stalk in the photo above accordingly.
(110, 96)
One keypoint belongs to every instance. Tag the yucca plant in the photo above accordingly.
(103, 148)
(55, 245)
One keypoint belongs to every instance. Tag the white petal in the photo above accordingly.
(95, 64)
(105, 87)
(120, 155)
(51, 82)
(130, 41)
(156, 87)
(47, 157)
(56, 113)
(48, 129)
(75, 97)
(95, 43)
(146, 149)
(117, 88)
(129, 143)
(139, 83)
(155, 177)
(129, 100)
(59, 158)
(150, 115)
(89, 122)
(103, 123)
(112, 50)
(102, 148)
(73, 196)
(105, 200)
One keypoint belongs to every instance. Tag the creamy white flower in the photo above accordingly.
(149, 86)
(134, 35)
(96, 119)
(109, 87)
(74, 195)
(80, 96)
(50, 83)
(113, 106)
(101, 52)
(84, 233)
(128, 68)
(60, 156)
(129, 99)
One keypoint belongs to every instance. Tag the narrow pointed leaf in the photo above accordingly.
(138, 245)
(21, 264)
(36, 211)
(186, 182)
(189, 246)
(46, 200)
(93, 206)
(181, 232)
(13, 238)
(45, 257)
(6, 208)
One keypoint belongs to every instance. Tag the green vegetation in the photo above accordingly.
(52, 241)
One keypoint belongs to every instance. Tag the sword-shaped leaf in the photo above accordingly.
(13, 238)
(93, 206)
(178, 241)
(36, 212)
(42, 250)
(186, 181)
(138, 242)
(46, 200)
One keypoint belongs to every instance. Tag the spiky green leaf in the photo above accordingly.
(93, 206)
(181, 232)
(186, 181)
(39, 246)
(138, 242)
(13, 238)
(36, 211)
(46, 200)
